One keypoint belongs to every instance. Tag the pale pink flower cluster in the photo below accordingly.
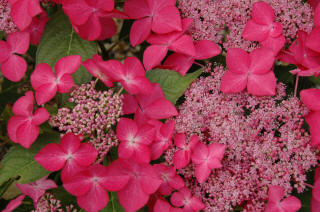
(265, 143)
(6, 23)
(94, 114)
(49, 204)
(215, 18)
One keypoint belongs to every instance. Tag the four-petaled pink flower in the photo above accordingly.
(13, 67)
(70, 155)
(162, 205)
(171, 180)
(162, 43)
(90, 185)
(146, 107)
(160, 16)
(143, 182)
(22, 12)
(206, 159)
(162, 139)
(276, 204)
(184, 198)
(311, 98)
(182, 157)
(36, 27)
(131, 75)
(251, 71)
(47, 84)
(91, 19)
(97, 70)
(181, 63)
(134, 140)
(23, 127)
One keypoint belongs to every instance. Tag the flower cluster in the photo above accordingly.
(49, 203)
(93, 116)
(224, 21)
(6, 23)
(265, 143)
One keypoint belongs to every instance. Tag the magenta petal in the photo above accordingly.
(161, 206)
(14, 68)
(313, 39)
(115, 69)
(71, 169)
(262, 13)
(137, 9)
(5, 51)
(176, 182)
(27, 133)
(315, 205)
(275, 44)
(115, 179)
(262, 60)
(142, 154)
(202, 172)
(13, 124)
(149, 181)
(45, 93)
(180, 140)
(34, 7)
(177, 199)
(161, 109)
(91, 29)
(317, 16)
(133, 66)
(130, 104)
(238, 60)
(200, 153)
(313, 119)
(126, 128)
(153, 56)
(181, 159)
(179, 62)
(139, 85)
(108, 28)
(262, 85)
(291, 203)
(206, 49)
(132, 197)
(85, 155)
(275, 194)
(140, 30)
(95, 200)
(67, 65)
(166, 20)
(13, 204)
(19, 42)
(65, 83)
(78, 185)
(31, 191)
(43, 74)
(70, 143)
(233, 83)
(311, 98)
(20, 14)
(77, 10)
(51, 157)
(24, 105)
(125, 151)
(184, 45)
(255, 32)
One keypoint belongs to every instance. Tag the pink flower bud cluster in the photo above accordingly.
(6, 23)
(49, 203)
(93, 116)
(214, 19)
(265, 144)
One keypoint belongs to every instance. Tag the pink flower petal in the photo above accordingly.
(233, 83)
(202, 172)
(206, 49)
(34, 7)
(115, 69)
(65, 83)
(20, 14)
(5, 51)
(313, 119)
(313, 39)
(317, 16)
(275, 194)
(27, 133)
(311, 98)
(177, 198)
(51, 157)
(91, 29)
(262, 13)
(125, 151)
(275, 44)
(19, 42)
(179, 62)
(14, 68)
(24, 105)
(291, 203)
(77, 10)
(95, 200)
(42, 75)
(67, 65)
(70, 143)
(142, 154)
(262, 60)
(149, 180)
(78, 185)
(161, 109)
(108, 28)
(255, 32)
(137, 9)
(161, 206)
(181, 158)
(180, 140)
(238, 60)
(130, 104)
(166, 19)
(13, 204)
(315, 205)
(153, 56)
(115, 178)
(183, 45)
(126, 128)
(13, 124)
(85, 155)
(133, 66)
(140, 30)
(200, 153)
(262, 85)
(45, 93)
(71, 169)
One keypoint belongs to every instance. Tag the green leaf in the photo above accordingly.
(113, 204)
(19, 162)
(66, 198)
(60, 40)
(1, 34)
(172, 83)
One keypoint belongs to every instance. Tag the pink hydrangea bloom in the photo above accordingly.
(13, 67)
(23, 127)
(267, 131)
(276, 203)
(93, 116)
(182, 157)
(47, 84)
(184, 198)
(225, 20)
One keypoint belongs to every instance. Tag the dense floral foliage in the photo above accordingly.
(84, 129)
